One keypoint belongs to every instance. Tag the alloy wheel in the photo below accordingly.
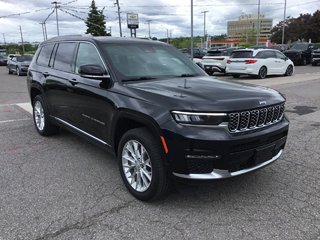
(39, 115)
(136, 165)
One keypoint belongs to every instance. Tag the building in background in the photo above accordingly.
(246, 28)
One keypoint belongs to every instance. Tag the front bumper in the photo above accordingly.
(213, 153)
(315, 60)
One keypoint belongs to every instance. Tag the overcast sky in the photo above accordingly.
(173, 15)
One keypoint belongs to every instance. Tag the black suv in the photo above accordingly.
(315, 57)
(300, 53)
(155, 109)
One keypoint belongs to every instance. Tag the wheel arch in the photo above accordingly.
(125, 120)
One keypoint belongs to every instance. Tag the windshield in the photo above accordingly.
(242, 54)
(24, 58)
(143, 61)
(299, 47)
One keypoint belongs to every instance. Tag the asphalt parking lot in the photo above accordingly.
(63, 187)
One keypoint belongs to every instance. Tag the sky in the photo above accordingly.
(172, 16)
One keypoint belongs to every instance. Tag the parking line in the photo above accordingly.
(14, 120)
(25, 106)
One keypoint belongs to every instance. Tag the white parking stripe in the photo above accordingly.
(25, 106)
(14, 120)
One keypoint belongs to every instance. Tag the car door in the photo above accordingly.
(92, 108)
(282, 64)
(58, 81)
(270, 61)
(12, 64)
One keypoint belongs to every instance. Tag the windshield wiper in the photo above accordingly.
(187, 75)
(138, 78)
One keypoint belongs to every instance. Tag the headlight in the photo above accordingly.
(197, 118)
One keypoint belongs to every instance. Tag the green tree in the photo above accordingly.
(96, 24)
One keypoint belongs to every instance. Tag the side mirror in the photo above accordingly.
(93, 71)
(286, 58)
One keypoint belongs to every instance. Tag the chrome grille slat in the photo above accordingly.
(256, 118)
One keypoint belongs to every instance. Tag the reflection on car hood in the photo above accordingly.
(204, 94)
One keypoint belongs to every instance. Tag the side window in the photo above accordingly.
(261, 55)
(64, 56)
(45, 54)
(87, 54)
(280, 55)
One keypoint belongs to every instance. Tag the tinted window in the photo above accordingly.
(45, 53)
(213, 53)
(280, 55)
(145, 61)
(299, 47)
(64, 57)
(24, 58)
(242, 54)
(87, 54)
(265, 54)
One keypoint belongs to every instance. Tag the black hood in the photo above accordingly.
(203, 94)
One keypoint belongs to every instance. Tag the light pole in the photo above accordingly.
(191, 52)
(258, 24)
(56, 9)
(149, 28)
(204, 28)
(284, 21)
(117, 3)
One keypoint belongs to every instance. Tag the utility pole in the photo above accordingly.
(117, 3)
(22, 40)
(4, 39)
(284, 21)
(149, 28)
(56, 9)
(167, 35)
(191, 52)
(258, 24)
(204, 29)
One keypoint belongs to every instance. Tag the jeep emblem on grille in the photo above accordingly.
(262, 102)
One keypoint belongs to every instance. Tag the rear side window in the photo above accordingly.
(45, 54)
(242, 54)
(64, 59)
(265, 54)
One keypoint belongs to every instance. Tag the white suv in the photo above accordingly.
(216, 60)
(259, 62)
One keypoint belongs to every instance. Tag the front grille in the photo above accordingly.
(257, 118)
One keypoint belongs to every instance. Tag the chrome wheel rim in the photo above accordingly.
(289, 70)
(38, 115)
(136, 165)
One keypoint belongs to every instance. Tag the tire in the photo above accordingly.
(41, 118)
(18, 71)
(314, 64)
(152, 181)
(304, 61)
(235, 75)
(9, 71)
(262, 72)
(289, 71)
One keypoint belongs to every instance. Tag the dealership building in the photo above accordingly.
(246, 27)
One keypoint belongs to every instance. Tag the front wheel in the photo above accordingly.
(262, 72)
(41, 118)
(289, 71)
(18, 71)
(141, 165)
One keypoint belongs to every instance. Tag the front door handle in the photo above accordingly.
(73, 81)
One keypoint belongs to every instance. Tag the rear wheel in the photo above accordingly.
(289, 71)
(262, 72)
(9, 71)
(304, 61)
(141, 165)
(41, 118)
(314, 64)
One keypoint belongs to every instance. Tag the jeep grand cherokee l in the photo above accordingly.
(155, 109)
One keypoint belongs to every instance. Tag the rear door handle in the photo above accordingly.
(45, 74)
